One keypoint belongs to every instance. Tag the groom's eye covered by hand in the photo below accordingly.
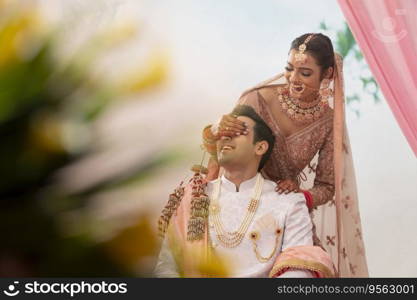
(231, 126)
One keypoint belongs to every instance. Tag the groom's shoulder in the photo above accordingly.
(283, 199)
(212, 182)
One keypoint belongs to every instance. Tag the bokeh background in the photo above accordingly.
(101, 109)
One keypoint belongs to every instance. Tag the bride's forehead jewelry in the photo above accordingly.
(300, 56)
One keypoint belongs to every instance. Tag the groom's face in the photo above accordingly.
(238, 150)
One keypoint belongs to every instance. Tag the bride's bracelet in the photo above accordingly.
(309, 199)
(208, 136)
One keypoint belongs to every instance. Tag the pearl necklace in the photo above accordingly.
(293, 108)
(234, 238)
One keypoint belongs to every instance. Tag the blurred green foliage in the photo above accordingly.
(40, 98)
(345, 45)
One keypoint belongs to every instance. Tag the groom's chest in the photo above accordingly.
(261, 231)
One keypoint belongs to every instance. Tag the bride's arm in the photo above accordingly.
(323, 189)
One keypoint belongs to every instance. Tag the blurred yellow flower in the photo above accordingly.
(133, 244)
(194, 259)
(213, 266)
(116, 35)
(155, 73)
(45, 132)
(16, 32)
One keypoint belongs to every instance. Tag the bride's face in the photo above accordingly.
(303, 77)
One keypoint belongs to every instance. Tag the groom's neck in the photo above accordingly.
(239, 174)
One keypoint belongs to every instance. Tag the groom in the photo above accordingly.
(239, 218)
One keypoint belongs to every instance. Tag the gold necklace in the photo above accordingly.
(232, 239)
(292, 108)
(263, 259)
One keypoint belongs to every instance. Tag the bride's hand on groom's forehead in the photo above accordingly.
(230, 125)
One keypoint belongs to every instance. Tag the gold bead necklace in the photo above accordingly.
(233, 239)
(293, 108)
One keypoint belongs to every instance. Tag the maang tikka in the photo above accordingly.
(300, 56)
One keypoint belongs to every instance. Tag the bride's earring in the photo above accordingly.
(325, 90)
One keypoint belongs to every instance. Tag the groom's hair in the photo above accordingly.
(261, 130)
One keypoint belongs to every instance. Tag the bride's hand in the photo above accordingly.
(229, 125)
(287, 186)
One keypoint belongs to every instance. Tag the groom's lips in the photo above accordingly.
(226, 148)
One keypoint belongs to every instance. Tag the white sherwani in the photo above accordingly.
(288, 213)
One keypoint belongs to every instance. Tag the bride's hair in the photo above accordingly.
(320, 47)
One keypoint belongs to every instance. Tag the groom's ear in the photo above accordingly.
(261, 147)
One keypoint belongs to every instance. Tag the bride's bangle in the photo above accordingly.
(214, 129)
(309, 199)
(208, 136)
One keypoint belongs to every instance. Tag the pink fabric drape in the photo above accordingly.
(386, 31)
